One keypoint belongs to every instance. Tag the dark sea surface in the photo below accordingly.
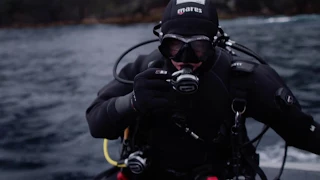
(49, 76)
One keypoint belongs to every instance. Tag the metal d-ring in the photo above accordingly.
(241, 112)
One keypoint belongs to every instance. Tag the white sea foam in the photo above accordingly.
(275, 153)
(258, 20)
(279, 19)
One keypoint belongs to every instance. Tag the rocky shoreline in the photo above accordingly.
(120, 20)
(29, 14)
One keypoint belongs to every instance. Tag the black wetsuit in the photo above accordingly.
(207, 109)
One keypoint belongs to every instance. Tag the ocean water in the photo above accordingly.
(49, 76)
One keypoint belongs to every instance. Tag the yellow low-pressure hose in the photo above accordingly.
(126, 134)
(106, 153)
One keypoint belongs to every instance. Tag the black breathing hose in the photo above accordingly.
(115, 74)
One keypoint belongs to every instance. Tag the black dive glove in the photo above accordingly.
(151, 90)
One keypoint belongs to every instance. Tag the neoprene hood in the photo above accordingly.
(190, 17)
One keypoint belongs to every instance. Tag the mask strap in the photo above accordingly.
(155, 32)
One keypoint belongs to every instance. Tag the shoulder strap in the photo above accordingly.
(240, 83)
(240, 86)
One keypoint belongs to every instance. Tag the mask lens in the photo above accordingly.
(182, 49)
(172, 46)
(200, 47)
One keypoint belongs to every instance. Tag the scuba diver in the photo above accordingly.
(180, 110)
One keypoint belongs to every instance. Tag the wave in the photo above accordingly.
(275, 153)
(258, 20)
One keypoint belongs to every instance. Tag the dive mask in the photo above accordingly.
(192, 49)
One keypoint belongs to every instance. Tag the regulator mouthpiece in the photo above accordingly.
(184, 82)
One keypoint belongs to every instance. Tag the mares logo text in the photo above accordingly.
(189, 9)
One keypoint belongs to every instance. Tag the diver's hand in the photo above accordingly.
(151, 90)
